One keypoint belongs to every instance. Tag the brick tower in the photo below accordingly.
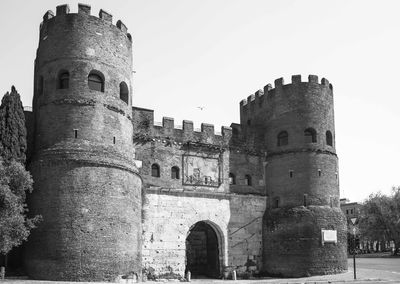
(304, 230)
(87, 186)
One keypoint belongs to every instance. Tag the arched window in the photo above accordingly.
(96, 81)
(124, 92)
(247, 180)
(155, 170)
(283, 138)
(232, 178)
(175, 172)
(329, 139)
(63, 80)
(310, 135)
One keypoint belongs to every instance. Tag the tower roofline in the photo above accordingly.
(84, 10)
(279, 83)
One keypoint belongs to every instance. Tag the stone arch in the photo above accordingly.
(216, 270)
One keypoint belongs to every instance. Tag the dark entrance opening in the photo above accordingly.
(202, 252)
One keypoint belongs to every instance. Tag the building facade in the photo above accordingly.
(124, 197)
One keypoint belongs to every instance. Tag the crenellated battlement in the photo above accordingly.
(268, 92)
(85, 10)
(143, 123)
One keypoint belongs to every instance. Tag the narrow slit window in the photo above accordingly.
(63, 80)
(305, 200)
(291, 174)
(114, 140)
(232, 179)
(276, 202)
(40, 85)
(319, 173)
(247, 180)
(76, 133)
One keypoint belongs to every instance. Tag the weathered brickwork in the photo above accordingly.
(292, 241)
(87, 186)
(296, 123)
(124, 197)
(90, 228)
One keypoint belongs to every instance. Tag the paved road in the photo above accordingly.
(369, 271)
(376, 268)
(391, 265)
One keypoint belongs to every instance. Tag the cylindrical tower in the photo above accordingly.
(304, 230)
(87, 186)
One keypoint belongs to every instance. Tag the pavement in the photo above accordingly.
(368, 270)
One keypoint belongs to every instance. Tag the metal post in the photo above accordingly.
(188, 276)
(354, 255)
(234, 275)
(2, 272)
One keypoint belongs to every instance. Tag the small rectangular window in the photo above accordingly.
(305, 200)
(76, 133)
(319, 173)
(290, 173)
(114, 140)
(347, 211)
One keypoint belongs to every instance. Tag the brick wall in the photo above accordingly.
(292, 241)
(91, 228)
(87, 186)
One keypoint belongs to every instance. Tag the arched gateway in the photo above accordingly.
(203, 251)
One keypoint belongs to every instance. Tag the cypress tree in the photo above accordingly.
(12, 128)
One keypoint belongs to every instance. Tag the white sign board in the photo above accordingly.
(329, 236)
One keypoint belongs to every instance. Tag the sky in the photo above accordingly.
(214, 53)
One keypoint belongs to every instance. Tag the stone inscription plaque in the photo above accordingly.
(201, 171)
(329, 236)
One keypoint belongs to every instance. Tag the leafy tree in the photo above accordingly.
(380, 217)
(12, 127)
(15, 226)
(15, 181)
